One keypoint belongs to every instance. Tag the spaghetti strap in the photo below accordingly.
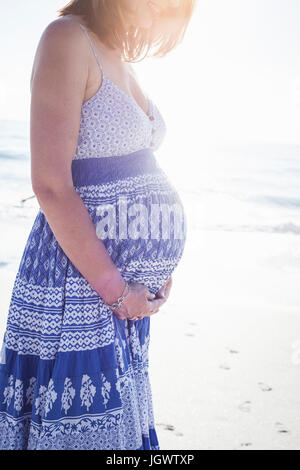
(92, 46)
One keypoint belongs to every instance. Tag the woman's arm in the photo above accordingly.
(58, 84)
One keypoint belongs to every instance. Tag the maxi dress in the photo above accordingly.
(73, 375)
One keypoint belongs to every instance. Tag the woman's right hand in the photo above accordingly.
(139, 302)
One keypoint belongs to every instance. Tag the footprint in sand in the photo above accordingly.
(193, 324)
(233, 351)
(167, 427)
(189, 334)
(224, 366)
(264, 387)
(246, 444)
(170, 427)
(281, 428)
(246, 406)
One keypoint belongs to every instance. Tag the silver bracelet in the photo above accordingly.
(118, 303)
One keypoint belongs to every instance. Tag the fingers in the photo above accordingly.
(156, 303)
(120, 316)
(165, 289)
(161, 292)
(159, 299)
(153, 307)
(150, 296)
(168, 283)
(149, 306)
(139, 317)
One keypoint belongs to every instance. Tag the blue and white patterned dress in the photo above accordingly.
(72, 375)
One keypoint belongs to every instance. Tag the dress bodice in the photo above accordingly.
(113, 124)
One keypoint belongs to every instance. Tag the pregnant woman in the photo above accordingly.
(109, 233)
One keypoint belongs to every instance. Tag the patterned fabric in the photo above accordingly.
(110, 126)
(112, 123)
(72, 375)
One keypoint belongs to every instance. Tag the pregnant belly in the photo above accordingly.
(138, 215)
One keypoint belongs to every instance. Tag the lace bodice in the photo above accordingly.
(113, 124)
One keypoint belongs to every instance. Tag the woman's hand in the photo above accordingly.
(138, 302)
(162, 294)
(164, 291)
(152, 305)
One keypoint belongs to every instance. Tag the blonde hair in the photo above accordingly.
(106, 18)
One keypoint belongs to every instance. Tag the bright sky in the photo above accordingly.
(235, 76)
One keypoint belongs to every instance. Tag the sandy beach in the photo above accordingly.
(225, 374)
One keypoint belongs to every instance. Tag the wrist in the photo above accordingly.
(118, 303)
(111, 288)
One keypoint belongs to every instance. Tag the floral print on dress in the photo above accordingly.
(18, 395)
(122, 382)
(87, 392)
(105, 134)
(9, 391)
(40, 401)
(51, 396)
(30, 391)
(119, 353)
(68, 395)
(135, 344)
(105, 389)
(145, 348)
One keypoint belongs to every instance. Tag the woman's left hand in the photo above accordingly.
(162, 293)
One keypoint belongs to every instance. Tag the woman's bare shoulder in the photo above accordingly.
(65, 26)
(61, 39)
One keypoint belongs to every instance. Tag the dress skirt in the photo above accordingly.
(72, 375)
